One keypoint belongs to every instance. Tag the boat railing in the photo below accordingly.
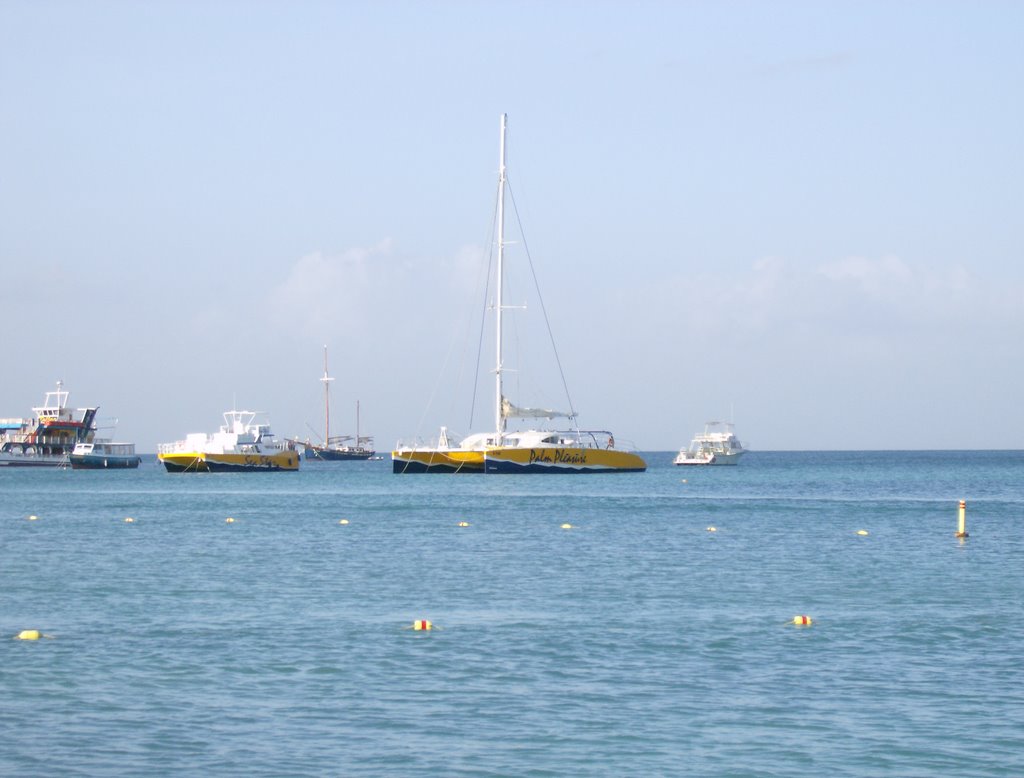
(406, 444)
(601, 439)
(176, 447)
(35, 439)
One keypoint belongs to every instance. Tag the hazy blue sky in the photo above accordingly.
(806, 215)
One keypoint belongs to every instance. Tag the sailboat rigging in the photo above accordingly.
(523, 451)
(338, 448)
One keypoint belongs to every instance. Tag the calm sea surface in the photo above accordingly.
(636, 643)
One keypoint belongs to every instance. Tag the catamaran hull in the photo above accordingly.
(200, 462)
(436, 461)
(561, 460)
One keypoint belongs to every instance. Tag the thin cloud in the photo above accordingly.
(832, 61)
(324, 292)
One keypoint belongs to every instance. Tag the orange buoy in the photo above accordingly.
(802, 621)
(422, 625)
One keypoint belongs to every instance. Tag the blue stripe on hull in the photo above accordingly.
(511, 467)
(97, 462)
(194, 467)
(221, 467)
(419, 467)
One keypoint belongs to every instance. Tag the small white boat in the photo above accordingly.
(243, 444)
(104, 455)
(717, 445)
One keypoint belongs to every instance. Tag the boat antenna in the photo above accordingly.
(327, 401)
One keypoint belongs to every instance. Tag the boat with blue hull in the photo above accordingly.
(337, 448)
(104, 455)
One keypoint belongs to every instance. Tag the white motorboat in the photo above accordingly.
(717, 445)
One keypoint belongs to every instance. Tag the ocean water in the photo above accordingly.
(637, 642)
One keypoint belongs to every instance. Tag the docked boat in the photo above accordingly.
(717, 445)
(243, 444)
(502, 450)
(339, 448)
(103, 455)
(49, 437)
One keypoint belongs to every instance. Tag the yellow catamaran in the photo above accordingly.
(525, 451)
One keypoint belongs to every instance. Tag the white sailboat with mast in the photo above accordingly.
(339, 448)
(520, 451)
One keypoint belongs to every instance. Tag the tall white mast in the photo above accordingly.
(327, 401)
(499, 419)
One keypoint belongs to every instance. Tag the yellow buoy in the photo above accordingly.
(343, 521)
(961, 525)
(802, 621)
(463, 523)
(862, 532)
(567, 525)
(422, 625)
(28, 634)
(129, 520)
(229, 520)
(712, 529)
(33, 517)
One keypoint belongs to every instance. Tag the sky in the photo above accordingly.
(801, 216)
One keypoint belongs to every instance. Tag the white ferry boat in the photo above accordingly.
(717, 445)
(243, 444)
(47, 439)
